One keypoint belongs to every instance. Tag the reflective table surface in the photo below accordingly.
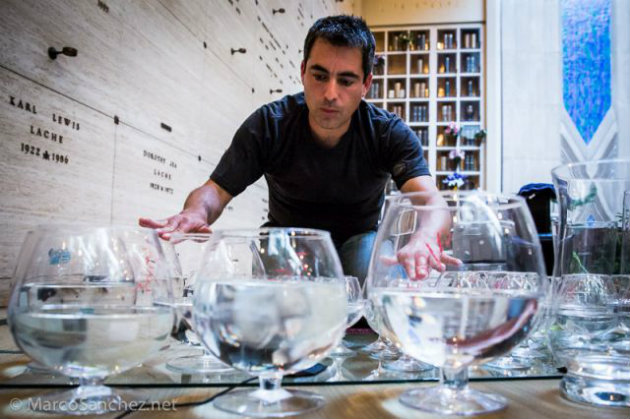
(367, 390)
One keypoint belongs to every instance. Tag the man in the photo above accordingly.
(325, 153)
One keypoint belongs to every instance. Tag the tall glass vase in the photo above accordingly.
(589, 334)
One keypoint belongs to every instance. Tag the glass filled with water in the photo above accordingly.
(83, 304)
(186, 251)
(355, 311)
(456, 280)
(589, 333)
(270, 302)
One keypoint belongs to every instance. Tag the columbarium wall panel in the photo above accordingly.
(56, 161)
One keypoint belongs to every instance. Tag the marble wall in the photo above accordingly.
(142, 113)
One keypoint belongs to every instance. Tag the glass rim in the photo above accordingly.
(84, 227)
(514, 201)
(555, 172)
(295, 232)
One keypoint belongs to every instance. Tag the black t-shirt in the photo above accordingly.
(339, 189)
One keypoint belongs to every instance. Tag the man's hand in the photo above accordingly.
(187, 221)
(202, 207)
(420, 255)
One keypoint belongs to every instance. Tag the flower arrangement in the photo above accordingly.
(451, 133)
(455, 180)
(403, 41)
(480, 136)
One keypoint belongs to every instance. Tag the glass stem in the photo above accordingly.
(270, 389)
(270, 382)
(92, 387)
(337, 368)
(454, 379)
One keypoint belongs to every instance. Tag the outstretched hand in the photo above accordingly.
(184, 222)
(422, 254)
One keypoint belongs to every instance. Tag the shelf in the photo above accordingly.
(461, 147)
(437, 90)
(461, 172)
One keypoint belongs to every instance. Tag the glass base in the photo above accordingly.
(598, 380)
(374, 347)
(282, 403)
(88, 400)
(445, 401)
(407, 364)
(509, 363)
(385, 355)
(37, 368)
(341, 351)
(528, 353)
(197, 364)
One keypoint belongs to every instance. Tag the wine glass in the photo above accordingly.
(82, 304)
(383, 349)
(270, 302)
(457, 281)
(355, 311)
(186, 250)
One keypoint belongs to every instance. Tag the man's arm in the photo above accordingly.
(423, 252)
(202, 208)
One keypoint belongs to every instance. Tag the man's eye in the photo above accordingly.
(346, 82)
(319, 77)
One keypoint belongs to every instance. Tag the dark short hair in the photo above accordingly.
(343, 31)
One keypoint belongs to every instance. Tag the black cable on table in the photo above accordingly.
(199, 402)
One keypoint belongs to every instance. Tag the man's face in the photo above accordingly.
(333, 86)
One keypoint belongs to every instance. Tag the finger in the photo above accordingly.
(389, 260)
(436, 264)
(450, 260)
(171, 227)
(409, 263)
(151, 223)
(422, 269)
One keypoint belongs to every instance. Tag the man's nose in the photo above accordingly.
(330, 94)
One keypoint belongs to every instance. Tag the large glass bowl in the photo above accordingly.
(89, 302)
(270, 302)
(456, 280)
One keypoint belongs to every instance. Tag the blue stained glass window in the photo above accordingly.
(586, 62)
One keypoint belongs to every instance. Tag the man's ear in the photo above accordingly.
(302, 70)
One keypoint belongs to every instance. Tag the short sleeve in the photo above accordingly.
(403, 156)
(244, 162)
